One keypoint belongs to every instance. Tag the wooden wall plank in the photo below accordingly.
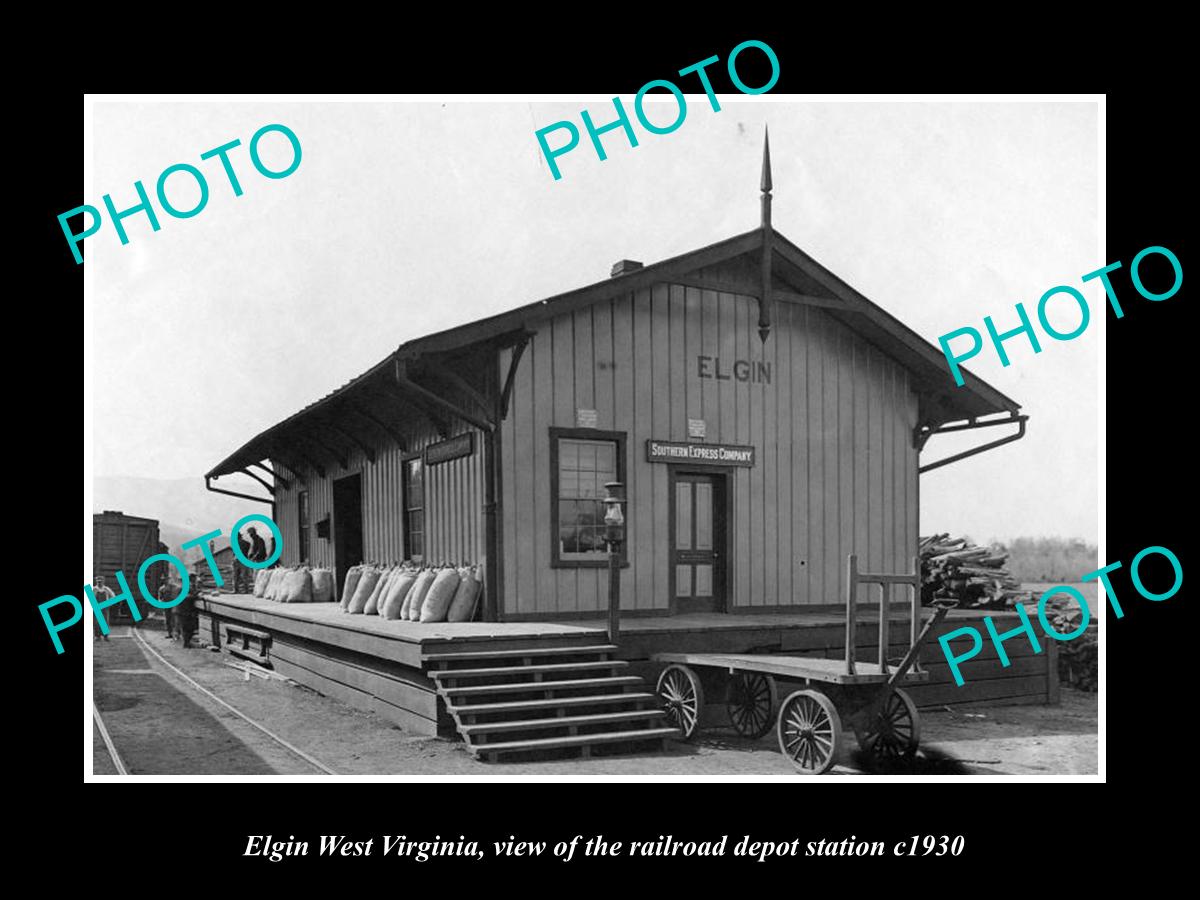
(767, 397)
(660, 388)
(802, 524)
(709, 345)
(641, 487)
(861, 454)
(816, 458)
(781, 392)
(835, 561)
(875, 510)
(520, 486)
(677, 363)
(565, 595)
(624, 414)
(743, 478)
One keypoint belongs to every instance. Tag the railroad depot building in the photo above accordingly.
(767, 419)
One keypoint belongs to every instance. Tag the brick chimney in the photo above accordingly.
(624, 267)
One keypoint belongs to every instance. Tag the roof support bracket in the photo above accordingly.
(433, 399)
(336, 454)
(304, 457)
(216, 490)
(387, 429)
(270, 489)
(517, 352)
(927, 433)
(279, 479)
(440, 426)
(461, 383)
(367, 450)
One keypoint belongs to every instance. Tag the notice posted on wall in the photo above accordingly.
(612, 467)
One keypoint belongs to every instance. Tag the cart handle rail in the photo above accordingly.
(887, 583)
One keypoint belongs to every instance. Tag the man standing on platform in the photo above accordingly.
(258, 549)
(241, 574)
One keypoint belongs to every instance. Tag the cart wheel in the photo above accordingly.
(750, 702)
(681, 697)
(895, 731)
(810, 731)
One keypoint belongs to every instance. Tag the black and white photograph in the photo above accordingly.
(433, 437)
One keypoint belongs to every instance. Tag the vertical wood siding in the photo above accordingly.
(836, 471)
(453, 507)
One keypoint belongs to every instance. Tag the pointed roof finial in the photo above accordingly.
(764, 301)
(765, 186)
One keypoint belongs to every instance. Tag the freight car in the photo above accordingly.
(122, 543)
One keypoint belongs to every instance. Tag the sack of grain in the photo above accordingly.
(397, 594)
(298, 587)
(462, 608)
(440, 596)
(362, 593)
(277, 576)
(261, 577)
(322, 585)
(348, 589)
(417, 595)
(372, 607)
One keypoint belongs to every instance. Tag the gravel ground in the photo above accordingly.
(161, 725)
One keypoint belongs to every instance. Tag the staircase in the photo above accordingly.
(566, 699)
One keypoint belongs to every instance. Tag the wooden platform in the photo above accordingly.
(366, 661)
(382, 665)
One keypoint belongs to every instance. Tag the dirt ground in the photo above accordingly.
(161, 725)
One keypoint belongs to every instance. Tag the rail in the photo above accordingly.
(886, 582)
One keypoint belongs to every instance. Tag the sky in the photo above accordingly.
(405, 218)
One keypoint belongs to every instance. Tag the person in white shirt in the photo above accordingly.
(103, 592)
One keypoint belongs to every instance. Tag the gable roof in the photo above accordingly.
(940, 399)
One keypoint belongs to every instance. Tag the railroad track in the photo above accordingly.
(199, 688)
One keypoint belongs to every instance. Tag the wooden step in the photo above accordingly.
(521, 706)
(560, 722)
(517, 654)
(512, 670)
(581, 740)
(536, 686)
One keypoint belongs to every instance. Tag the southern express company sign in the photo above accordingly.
(712, 454)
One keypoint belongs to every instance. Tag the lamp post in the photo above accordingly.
(614, 536)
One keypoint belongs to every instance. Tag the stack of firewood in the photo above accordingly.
(1078, 659)
(974, 576)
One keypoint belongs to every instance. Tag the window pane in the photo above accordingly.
(416, 544)
(567, 540)
(704, 523)
(568, 455)
(568, 485)
(606, 455)
(592, 540)
(683, 515)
